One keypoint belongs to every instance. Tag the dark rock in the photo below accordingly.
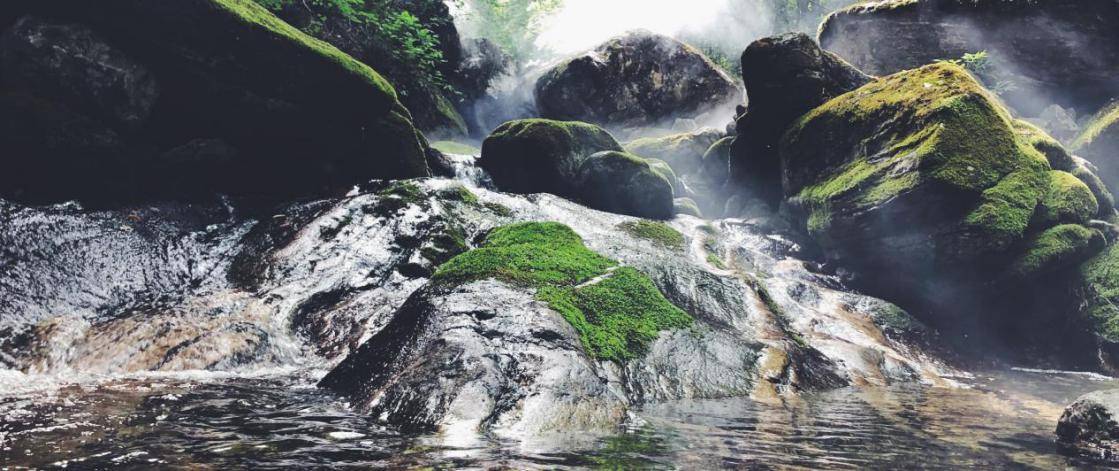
(1066, 51)
(196, 169)
(687, 206)
(76, 65)
(1090, 428)
(623, 183)
(786, 76)
(305, 117)
(542, 156)
(716, 161)
(639, 79)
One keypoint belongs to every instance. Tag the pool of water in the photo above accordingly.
(1003, 419)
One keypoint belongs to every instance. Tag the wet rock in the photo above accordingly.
(76, 65)
(687, 206)
(639, 79)
(786, 76)
(1065, 51)
(623, 183)
(683, 152)
(1099, 143)
(304, 116)
(975, 212)
(1088, 427)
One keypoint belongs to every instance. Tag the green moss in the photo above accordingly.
(1106, 118)
(1101, 284)
(778, 313)
(399, 195)
(657, 232)
(444, 245)
(893, 318)
(687, 206)
(1006, 209)
(250, 12)
(1068, 200)
(1054, 152)
(452, 147)
(498, 209)
(1057, 247)
(458, 193)
(715, 261)
(617, 311)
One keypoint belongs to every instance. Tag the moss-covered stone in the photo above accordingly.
(1099, 143)
(716, 161)
(542, 156)
(1058, 247)
(687, 206)
(924, 168)
(683, 152)
(654, 231)
(623, 183)
(1101, 294)
(1067, 200)
(616, 310)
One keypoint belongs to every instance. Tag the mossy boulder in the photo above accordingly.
(304, 116)
(1099, 143)
(542, 156)
(638, 79)
(786, 76)
(1063, 51)
(624, 183)
(687, 206)
(924, 169)
(683, 152)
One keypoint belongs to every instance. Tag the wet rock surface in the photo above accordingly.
(1089, 427)
(169, 288)
(1063, 51)
(639, 79)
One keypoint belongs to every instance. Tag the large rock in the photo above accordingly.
(578, 161)
(925, 170)
(683, 152)
(786, 76)
(624, 183)
(1066, 51)
(639, 79)
(354, 33)
(303, 116)
(1099, 143)
(1089, 427)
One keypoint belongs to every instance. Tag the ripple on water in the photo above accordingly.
(1004, 420)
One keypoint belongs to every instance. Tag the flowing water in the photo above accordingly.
(279, 420)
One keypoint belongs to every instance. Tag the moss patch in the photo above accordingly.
(1057, 247)
(617, 311)
(458, 148)
(1106, 118)
(657, 232)
(1101, 286)
(458, 193)
(1068, 200)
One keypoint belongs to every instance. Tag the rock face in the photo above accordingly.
(1089, 427)
(786, 76)
(107, 88)
(923, 169)
(1099, 143)
(351, 32)
(640, 79)
(1065, 50)
(545, 156)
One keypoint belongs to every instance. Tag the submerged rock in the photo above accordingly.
(1065, 51)
(923, 169)
(302, 115)
(639, 79)
(1090, 428)
(786, 76)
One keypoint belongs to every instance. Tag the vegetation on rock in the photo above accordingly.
(655, 231)
(616, 310)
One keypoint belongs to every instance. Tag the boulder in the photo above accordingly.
(304, 116)
(1064, 51)
(925, 169)
(1089, 427)
(542, 156)
(716, 161)
(639, 79)
(1099, 144)
(355, 34)
(624, 183)
(786, 76)
(683, 152)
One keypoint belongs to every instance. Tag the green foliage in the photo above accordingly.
(658, 232)
(616, 310)
(411, 43)
(983, 67)
(511, 24)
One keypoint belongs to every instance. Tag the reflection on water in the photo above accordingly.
(1002, 420)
